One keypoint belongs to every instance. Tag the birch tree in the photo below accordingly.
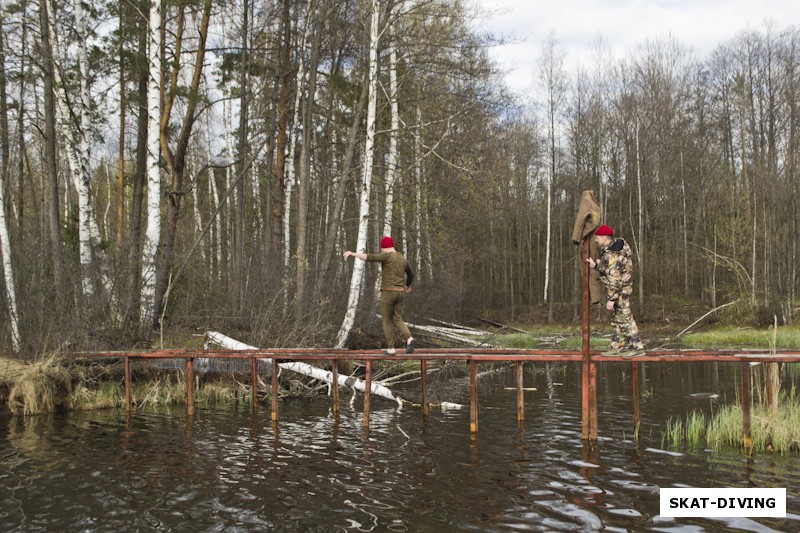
(553, 77)
(304, 174)
(357, 277)
(394, 133)
(74, 126)
(152, 235)
(175, 158)
(293, 139)
(8, 272)
(5, 241)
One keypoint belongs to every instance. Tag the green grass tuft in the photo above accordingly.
(787, 337)
(518, 340)
(778, 432)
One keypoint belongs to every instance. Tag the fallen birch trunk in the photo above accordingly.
(460, 328)
(316, 373)
(449, 334)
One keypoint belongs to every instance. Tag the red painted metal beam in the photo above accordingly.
(128, 385)
(367, 392)
(459, 354)
(473, 396)
(423, 368)
(335, 385)
(190, 386)
(520, 375)
(254, 383)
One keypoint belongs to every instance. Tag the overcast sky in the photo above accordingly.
(622, 24)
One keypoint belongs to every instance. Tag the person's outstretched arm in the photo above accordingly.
(359, 255)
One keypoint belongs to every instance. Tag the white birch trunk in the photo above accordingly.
(640, 243)
(257, 198)
(418, 187)
(74, 144)
(359, 266)
(551, 155)
(391, 163)
(228, 220)
(290, 172)
(198, 220)
(86, 226)
(8, 272)
(311, 371)
(427, 242)
(87, 217)
(215, 247)
(153, 232)
(391, 159)
(216, 226)
(109, 186)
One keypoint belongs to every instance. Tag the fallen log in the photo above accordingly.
(450, 334)
(501, 326)
(317, 373)
(459, 327)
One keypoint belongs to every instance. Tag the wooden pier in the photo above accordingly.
(472, 357)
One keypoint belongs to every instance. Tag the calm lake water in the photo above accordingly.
(227, 469)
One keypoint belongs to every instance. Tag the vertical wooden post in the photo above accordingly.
(635, 394)
(592, 400)
(127, 384)
(275, 390)
(586, 402)
(520, 393)
(423, 368)
(254, 382)
(473, 396)
(190, 386)
(748, 441)
(367, 392)
(335, 385)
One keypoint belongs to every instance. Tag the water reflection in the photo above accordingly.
(317, 470)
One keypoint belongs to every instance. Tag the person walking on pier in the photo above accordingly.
(396, 280)
(616, 273)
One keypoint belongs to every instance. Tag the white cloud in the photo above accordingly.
(699, 25)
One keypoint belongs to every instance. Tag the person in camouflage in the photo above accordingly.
(616, 273)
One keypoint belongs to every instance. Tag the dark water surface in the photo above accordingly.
(227, 469)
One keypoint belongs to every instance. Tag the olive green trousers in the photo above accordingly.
(392, 314)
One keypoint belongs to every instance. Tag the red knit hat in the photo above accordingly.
(604, 230)
(387, 242)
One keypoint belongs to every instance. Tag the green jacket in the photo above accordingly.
(396, 274)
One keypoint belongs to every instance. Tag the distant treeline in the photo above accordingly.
(206, 163)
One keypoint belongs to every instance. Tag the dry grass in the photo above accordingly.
(38, 387)
(47, 384)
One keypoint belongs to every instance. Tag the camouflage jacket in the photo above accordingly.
(616, 269)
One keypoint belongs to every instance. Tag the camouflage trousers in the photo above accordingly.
(626, 334)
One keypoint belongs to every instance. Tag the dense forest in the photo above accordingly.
(199, 164)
